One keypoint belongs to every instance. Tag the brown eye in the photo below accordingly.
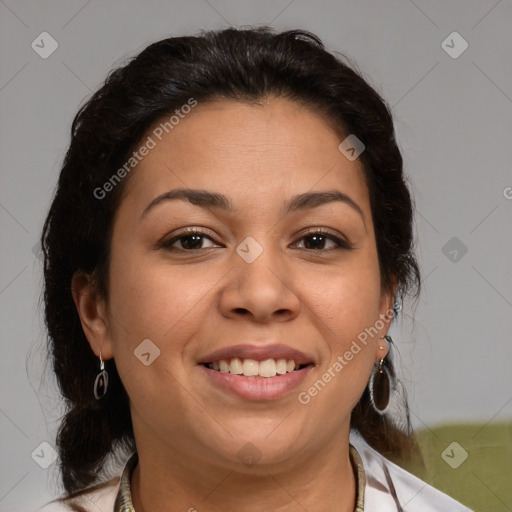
(187, 242)
(317, 241)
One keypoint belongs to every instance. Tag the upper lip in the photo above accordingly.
(258, 352)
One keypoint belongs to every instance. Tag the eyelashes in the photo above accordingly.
(326, 235)
(187, 234)
(193, 238)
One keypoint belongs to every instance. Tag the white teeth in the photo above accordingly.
(236, 366)
(267, 368)
(251, 367)
(281, 366)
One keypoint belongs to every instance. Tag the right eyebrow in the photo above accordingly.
(202, 198)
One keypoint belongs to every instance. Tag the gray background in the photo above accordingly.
(454, 122)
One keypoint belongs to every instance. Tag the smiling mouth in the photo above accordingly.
(251, 368)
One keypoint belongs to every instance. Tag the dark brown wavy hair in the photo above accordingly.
(243, 65)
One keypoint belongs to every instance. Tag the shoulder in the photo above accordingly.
(391, 488)
(100, 498)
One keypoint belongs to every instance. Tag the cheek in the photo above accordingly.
(346, 298)
(346, 312)
(346, 304)
(151, 311)
(151, 298)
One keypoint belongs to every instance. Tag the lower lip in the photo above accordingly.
(258, 388)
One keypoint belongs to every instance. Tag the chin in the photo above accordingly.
(263, 444)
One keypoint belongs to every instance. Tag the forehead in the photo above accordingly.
(248, 151)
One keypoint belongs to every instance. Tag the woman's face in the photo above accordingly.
(255, 284)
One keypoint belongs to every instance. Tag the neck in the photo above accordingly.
(323, 482)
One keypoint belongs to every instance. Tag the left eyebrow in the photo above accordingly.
(315, 199)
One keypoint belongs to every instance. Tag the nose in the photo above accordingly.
(261, 290)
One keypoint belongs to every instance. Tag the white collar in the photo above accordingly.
(411, 493)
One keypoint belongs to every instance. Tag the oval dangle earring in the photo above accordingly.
(101, 382)
(381, 383)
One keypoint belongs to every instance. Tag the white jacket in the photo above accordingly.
(382, 476)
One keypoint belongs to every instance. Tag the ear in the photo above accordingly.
(386, 312)
(92, 311)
